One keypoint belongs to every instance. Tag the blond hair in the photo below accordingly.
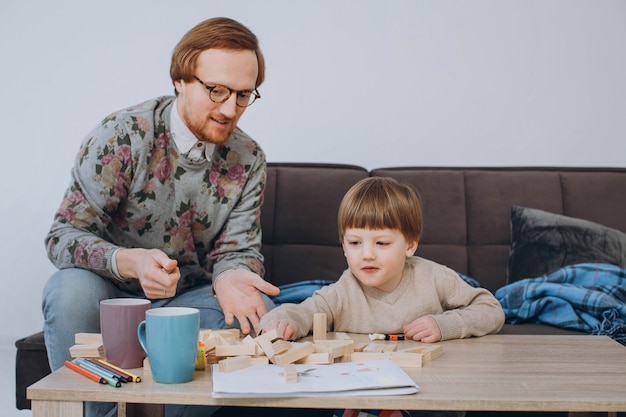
(215, 33)
(381, 203)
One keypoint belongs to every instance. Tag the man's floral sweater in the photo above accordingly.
(131, 188)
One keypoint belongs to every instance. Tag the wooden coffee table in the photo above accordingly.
(491, 373)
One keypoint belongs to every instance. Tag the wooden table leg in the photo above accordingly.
(57, 408)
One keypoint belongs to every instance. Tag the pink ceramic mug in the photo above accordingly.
(119, 318)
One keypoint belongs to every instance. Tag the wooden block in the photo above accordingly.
(271, 335)
(225, 333)
(297, 351)
(429, 352)
(236, 350)
(360, 346)
(236, 333)
(433, 352)
(338, 348)
(266, 347)
(374, 347)
(380, 347)
(318, 358)
(342, 336)
(248, 340)
(259, 360)
(319, 326)
(280, 346)
(291, 373)
(210, 343)
(219, 340)
(204, 334)
(390, 346)
(234, 363)
(348, 346)
(88, 338)
(403, 359)
(345, 358)
(213, 359)
(87, 351)
(229, 340)
(265, 342)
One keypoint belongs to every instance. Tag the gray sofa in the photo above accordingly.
(467, 214)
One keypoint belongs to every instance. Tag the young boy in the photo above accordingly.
(385, 288)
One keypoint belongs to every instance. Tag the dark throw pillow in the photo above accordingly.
(542, 242)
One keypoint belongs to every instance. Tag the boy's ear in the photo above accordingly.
(410, 250)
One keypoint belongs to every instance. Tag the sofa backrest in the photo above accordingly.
(299, 220)
(466, 213)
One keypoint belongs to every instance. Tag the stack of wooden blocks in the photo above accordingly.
(226, 348)
(230, 352)
(87, 345)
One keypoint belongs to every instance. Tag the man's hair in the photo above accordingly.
(381, 203)
(215, 33)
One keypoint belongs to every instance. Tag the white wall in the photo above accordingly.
(367, 82)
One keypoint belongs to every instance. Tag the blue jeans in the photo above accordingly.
(71, 304)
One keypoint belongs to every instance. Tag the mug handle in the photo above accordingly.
(141, 335)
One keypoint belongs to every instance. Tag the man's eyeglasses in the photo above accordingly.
(219, 94)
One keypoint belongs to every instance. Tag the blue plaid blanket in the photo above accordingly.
(587, 297)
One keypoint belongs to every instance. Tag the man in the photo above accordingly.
(164, 199)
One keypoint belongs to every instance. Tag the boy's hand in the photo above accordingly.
(425, 329)
(284, 327)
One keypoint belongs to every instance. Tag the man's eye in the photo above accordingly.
(244, 94)
(219, 90)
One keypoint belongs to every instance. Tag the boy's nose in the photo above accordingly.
(368, 252)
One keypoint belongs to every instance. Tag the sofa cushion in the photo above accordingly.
(542, 242)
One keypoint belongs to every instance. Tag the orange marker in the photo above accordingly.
(85, 372)
(380, 336)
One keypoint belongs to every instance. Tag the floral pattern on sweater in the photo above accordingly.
(130, 187)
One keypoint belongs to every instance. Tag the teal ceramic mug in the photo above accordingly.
(169, 336)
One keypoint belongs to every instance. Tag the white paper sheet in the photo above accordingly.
(376, 377)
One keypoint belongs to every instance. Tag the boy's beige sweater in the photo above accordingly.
(426, 288)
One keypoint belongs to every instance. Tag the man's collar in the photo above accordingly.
(185, 140)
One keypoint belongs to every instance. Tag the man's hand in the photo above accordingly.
(157, 273)
(424, 329)
(239, 293)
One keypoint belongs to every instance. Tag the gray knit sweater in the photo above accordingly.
(426, 288)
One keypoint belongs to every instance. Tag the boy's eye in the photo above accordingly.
(382, 243)
(353, 242)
